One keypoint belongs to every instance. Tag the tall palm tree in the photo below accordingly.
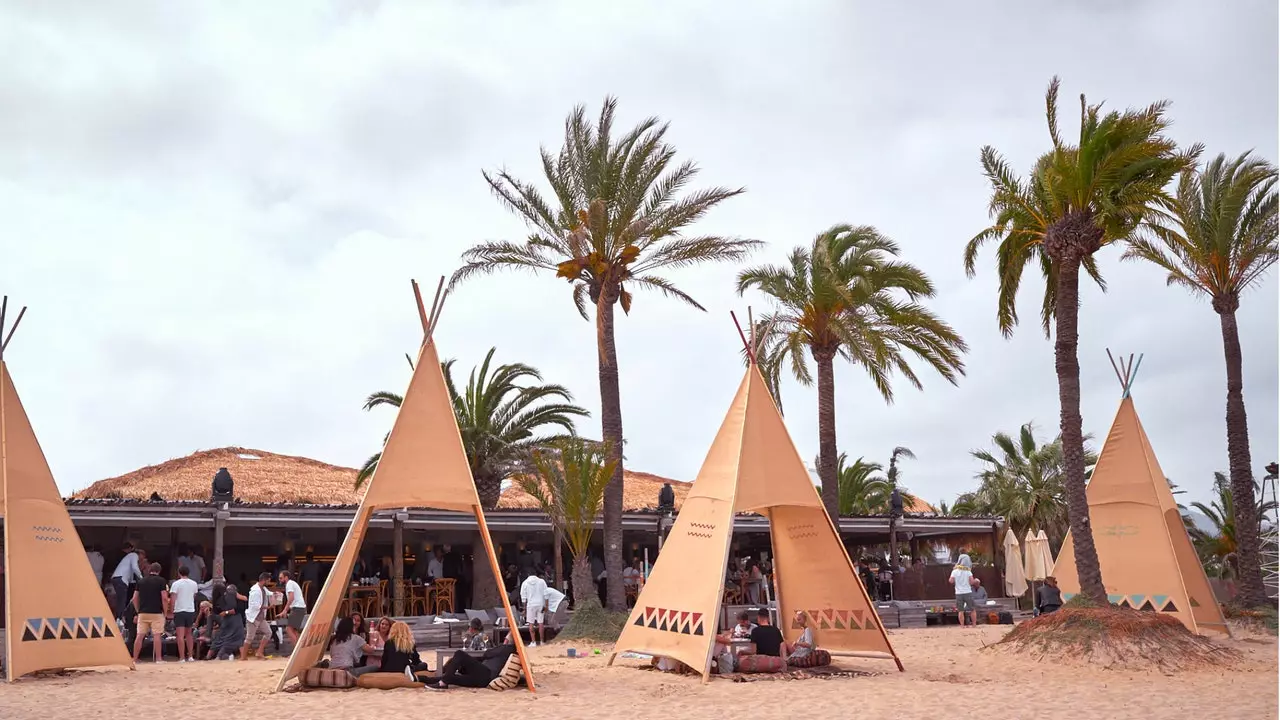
(894, 474)
(1024, 482)
(1217, 240)
(502, 418)
(769, 359)
(848, 296)
(571, 476)
(616, 222)
(1078, 199)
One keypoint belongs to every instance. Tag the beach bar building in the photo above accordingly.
(283, 507)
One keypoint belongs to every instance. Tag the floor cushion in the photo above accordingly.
(326, 678)
(760, 664)
(817, 658)
(510, 675)
(385, 681)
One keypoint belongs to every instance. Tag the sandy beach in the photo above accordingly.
(942, 664)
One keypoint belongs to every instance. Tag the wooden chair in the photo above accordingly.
(444, 589)
(416, 600)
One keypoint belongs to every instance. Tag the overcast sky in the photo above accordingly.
(214, 210)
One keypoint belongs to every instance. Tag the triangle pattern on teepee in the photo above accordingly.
(1143, 547)
(46, 569)
(424, 443)
(753, 466)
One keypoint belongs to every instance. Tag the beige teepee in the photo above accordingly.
(752, 467)
(423, 464)
(55, 614)
(1147, 559)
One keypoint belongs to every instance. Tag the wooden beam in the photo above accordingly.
(512, 623)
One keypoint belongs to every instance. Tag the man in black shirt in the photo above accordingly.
(766, 638)
(150, 600)
(464, 670)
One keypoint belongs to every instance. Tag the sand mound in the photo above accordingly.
(1115, 638)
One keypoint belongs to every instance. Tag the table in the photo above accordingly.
(442, 656)
(370, 593)
(737, 646)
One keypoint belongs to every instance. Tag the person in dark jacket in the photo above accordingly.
(464, 670)
(399, 653)
(1048, 596)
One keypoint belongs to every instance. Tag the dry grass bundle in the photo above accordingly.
(1115, 638)
(826, 673)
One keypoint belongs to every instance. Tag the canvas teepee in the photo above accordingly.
(55, 614)
(423, 464)
(1148, 562)
(752, 467)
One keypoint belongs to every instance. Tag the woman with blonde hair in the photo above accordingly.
(399, 654)
(804, 651)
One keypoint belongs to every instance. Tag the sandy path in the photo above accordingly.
(943, 665)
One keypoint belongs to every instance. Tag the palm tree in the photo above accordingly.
(615, 224)
(894, 474)
(1024, 482)
(847, 295)
(571, 476)
(1079, 199)
(863, 491)
(1217, 240)
(1220, 550)
(769, 359)
(501, 419)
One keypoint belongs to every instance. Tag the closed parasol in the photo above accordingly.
(1015, 582)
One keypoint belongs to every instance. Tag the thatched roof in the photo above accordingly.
(260, 477)
(639, 492)
(919, 506)
(264, 477)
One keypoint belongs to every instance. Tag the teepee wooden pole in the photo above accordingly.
(751, 353)
(5, 345)
(1115, 368)
(417, 297)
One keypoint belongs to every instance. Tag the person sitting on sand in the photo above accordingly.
(475, 639)
(399, 654)
(463, 670)
(742, 631)
(979, 593)
(1048, 596)
(346, 649)
(805, 644)
(766, 638)
(962, 579)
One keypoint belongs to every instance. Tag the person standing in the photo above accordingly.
(435, 568)
(310, 573)
(183, 596)
(533, 593)
(96, 561)
(150, 600)
(296, 607)
(126, 573)
(255, 618)
(962, 579)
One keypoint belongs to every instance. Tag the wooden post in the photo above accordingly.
(219, 526)
(893, 553)
(397, 564)
(173, 553)
(995, 560)
(506, 602)
(558, 564)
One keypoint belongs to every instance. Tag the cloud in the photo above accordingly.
(213, 211)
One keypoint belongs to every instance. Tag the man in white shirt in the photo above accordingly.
(126, 573)
(533, 593)
(435, 568)
(295, 605)
(182, 596)
(96, 561)
(255, 618)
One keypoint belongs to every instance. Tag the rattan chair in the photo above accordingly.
(444, 591)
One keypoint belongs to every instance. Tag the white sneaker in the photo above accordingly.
(532, 645)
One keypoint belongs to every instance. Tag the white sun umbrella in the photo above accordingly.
(1046, 554)
(1015, 582)
(1033, 564)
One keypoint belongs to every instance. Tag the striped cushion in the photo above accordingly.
(760, 664)
(817, 658)
(326, 678)
(510, 675)
(386, 681)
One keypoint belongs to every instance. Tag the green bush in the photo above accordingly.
(590, 621)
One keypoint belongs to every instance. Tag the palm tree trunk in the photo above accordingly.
(584, 586)
(1249, 589)
(827, 434)
(1065, 347)
(611, 431)
(485, 592)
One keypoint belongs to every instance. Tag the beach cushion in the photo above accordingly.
(385, 681)
(326, 678)
(510, 675)
(817, 658)
(760, 664)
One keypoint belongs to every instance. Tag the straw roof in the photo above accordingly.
(264, 477)
(260, 477)
(639, 492)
